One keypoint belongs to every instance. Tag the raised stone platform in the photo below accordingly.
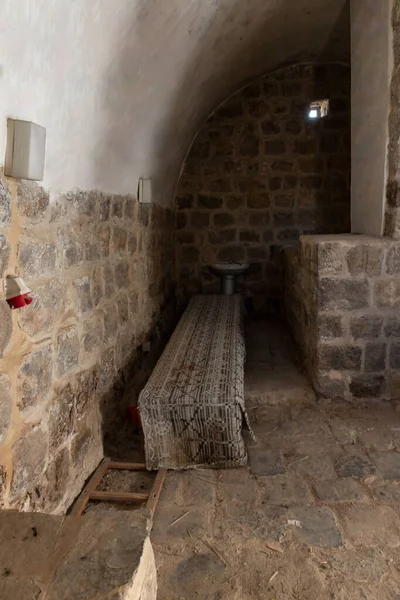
(104, 554)
(342, 299)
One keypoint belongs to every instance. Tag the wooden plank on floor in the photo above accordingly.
(92, 484)
(127, 466)
(156, 491)
(103, 496)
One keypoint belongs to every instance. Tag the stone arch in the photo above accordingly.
(259, 175)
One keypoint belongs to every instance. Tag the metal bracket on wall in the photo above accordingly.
(90, 492)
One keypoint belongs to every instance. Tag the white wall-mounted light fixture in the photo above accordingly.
(318, 109)
(25, 150)
(144, 191)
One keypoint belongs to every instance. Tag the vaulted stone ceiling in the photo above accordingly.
(123, 87)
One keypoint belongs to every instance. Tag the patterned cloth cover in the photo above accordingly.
(192, 408)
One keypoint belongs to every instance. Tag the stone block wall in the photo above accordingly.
(101, 269)
(342, 301)
(259, 175)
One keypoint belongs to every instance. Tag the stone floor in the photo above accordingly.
(316, 516)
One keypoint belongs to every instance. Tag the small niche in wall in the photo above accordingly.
(318, 109)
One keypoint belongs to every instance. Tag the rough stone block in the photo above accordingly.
(366, 327)
(270, 127)
(82, 202)
(6, 326)
(249, 236)
(311, 165)
(119, 239)
(91, 336)
(284, 166)
(67, 350)
(260, 219)
(274, 147)
(368, 386)
(283, 219)
(354, 465)
(294, 127)
(339, 358)
(41, 317)
(393, 260)
(34, 378)
(365, 260)
(394, 356)
(311, 182)
(210, 202)
(199, 220)
(84, 390)
(5, 406)
(121, 275)
(223, 219)
(122, 304)
(83, 298)
(249, 145)
(5, 205)
(37, 259)
(5, 253)
(189, 254)
(329, 258)
(258, 200)
(222, 237)
(288, 235)
(234, 252)
(117, 206)
(32, 200)
(234, 202)
(330, 327)
(256, 253)
(71, 246)
(305, 147)
(317, 527)
(284, 200)
(375, 357)
(387, 293)
(104, 207)
(52, 484)
(61, 417)
(330, 385)
(392, 327)
(29, 459)
(342, 294)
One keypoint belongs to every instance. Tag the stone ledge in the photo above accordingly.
(104, 554)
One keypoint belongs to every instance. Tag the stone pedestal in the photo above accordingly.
(342, 299)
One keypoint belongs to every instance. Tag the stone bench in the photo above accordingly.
(192, 408)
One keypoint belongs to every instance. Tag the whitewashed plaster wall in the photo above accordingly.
(371, 70)
(123, 86)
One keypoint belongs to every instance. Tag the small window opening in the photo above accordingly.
(318, 109)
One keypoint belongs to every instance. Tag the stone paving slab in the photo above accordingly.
(354, 465)
(284, 490)
(315, 526)
(340, 490)
(265, 463)
(388, 464)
